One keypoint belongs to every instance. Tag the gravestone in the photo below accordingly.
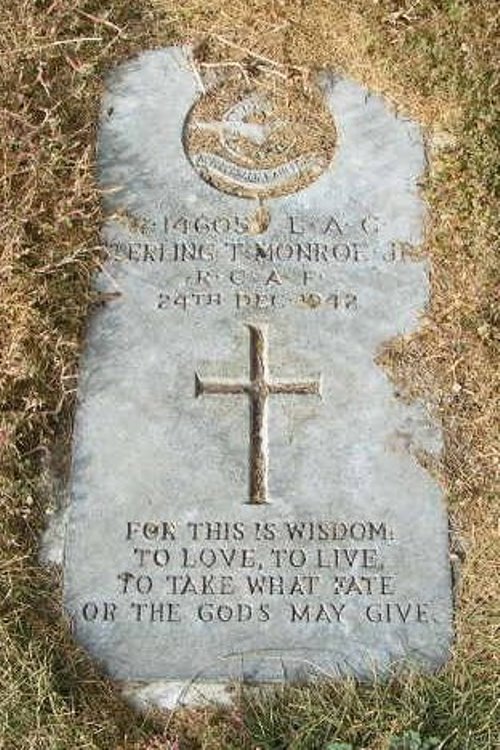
(247, 496)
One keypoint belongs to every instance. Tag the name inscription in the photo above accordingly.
(231, 265)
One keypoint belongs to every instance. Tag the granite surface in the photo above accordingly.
(247, 497)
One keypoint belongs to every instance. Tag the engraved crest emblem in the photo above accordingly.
(261, 139)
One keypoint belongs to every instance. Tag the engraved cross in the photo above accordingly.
(258, 387)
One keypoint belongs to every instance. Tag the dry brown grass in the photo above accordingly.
(435, 59)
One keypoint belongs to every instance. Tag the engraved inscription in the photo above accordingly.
(259, 387)
(179, 571)
(210, 164)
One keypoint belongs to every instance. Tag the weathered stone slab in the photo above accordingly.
(247, 499)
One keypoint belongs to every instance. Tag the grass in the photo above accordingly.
(438, 61)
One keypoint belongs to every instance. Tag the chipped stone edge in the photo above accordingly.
(168, 695)
(52, 542)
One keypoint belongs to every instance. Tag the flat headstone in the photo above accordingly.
(247, 496)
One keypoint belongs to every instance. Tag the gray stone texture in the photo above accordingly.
(146, 449)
